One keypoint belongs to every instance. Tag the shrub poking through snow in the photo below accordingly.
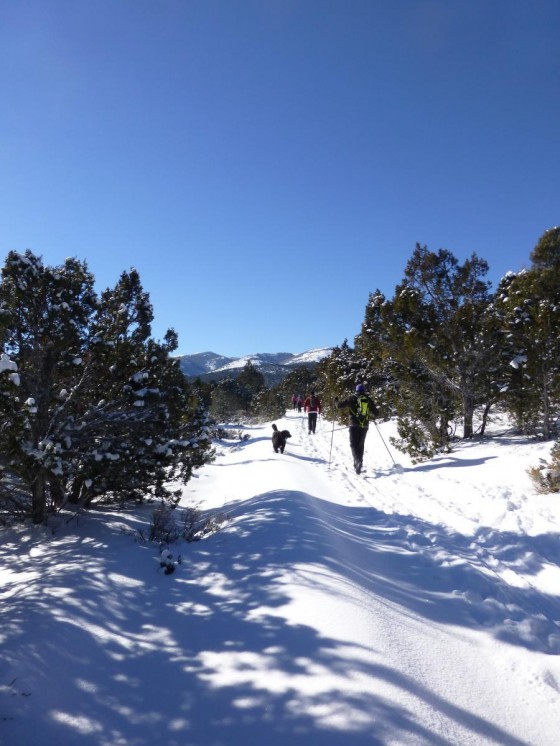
(546, 476)
(170, 525)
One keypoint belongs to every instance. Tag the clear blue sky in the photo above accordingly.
(265, 164)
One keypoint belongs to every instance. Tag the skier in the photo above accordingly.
(312, 406)
(361, 407)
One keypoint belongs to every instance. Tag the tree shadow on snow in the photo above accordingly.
(308, 459)
(206, 656)
(447, 461)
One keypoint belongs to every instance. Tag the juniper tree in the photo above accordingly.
(374, 349)
(269, 404)
(424, 404)
(436, 334)
(250, 383)
(44, 326)
(529, 304)
(101, 408)
(228, 400)
(339, 373)
(299, 381)
(545, 257)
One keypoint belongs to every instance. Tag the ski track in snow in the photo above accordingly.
(402, 607)
(457, 559)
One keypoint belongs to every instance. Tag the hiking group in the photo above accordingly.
(297, 402)
(361, 408)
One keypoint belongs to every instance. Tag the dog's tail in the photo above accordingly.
(274, 427)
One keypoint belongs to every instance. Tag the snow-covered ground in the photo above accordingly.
(418, 605)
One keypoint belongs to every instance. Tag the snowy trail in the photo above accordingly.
(377, 588)
(402, 609)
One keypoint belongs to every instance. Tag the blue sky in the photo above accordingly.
(266, 164)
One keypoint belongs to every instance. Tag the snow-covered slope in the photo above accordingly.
(412, 606)
(204, 363)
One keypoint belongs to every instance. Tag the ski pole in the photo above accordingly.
(385, 444)
(335, 401)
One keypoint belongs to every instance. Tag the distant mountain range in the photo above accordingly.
(274, 366)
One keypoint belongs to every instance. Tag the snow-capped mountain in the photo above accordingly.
(212, 365)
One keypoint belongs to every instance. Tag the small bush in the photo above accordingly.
(170, 525)
(546, 476)
(162, 527)
(414, 440)
(223, 433)
(213, 524)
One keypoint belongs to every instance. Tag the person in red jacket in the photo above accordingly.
(312, 406)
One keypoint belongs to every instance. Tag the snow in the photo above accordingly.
(210, 362)
(6, 363)
(311, 356)
(281, 358)
(407, 606)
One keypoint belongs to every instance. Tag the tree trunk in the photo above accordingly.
(485, 418)
(546, 406)
(468, 414)
(38, 496)
(58, 495)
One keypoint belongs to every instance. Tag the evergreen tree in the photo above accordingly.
(436, 331)
(44, 327)
(338, 375)
(102, 409)
(529, 304)
(269, 404)
(298, 381)
(545, 257)
(374, 348)
(250, 383)
(228, 400)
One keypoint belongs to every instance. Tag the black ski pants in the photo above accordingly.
(312, 421)
(357, 443)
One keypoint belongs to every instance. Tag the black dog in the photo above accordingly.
(279, 438)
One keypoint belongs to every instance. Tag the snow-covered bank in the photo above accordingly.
(411, 607)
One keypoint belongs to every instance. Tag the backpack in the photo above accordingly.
(362, 410)
(313, 402)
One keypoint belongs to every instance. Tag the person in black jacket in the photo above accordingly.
(361, 408)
